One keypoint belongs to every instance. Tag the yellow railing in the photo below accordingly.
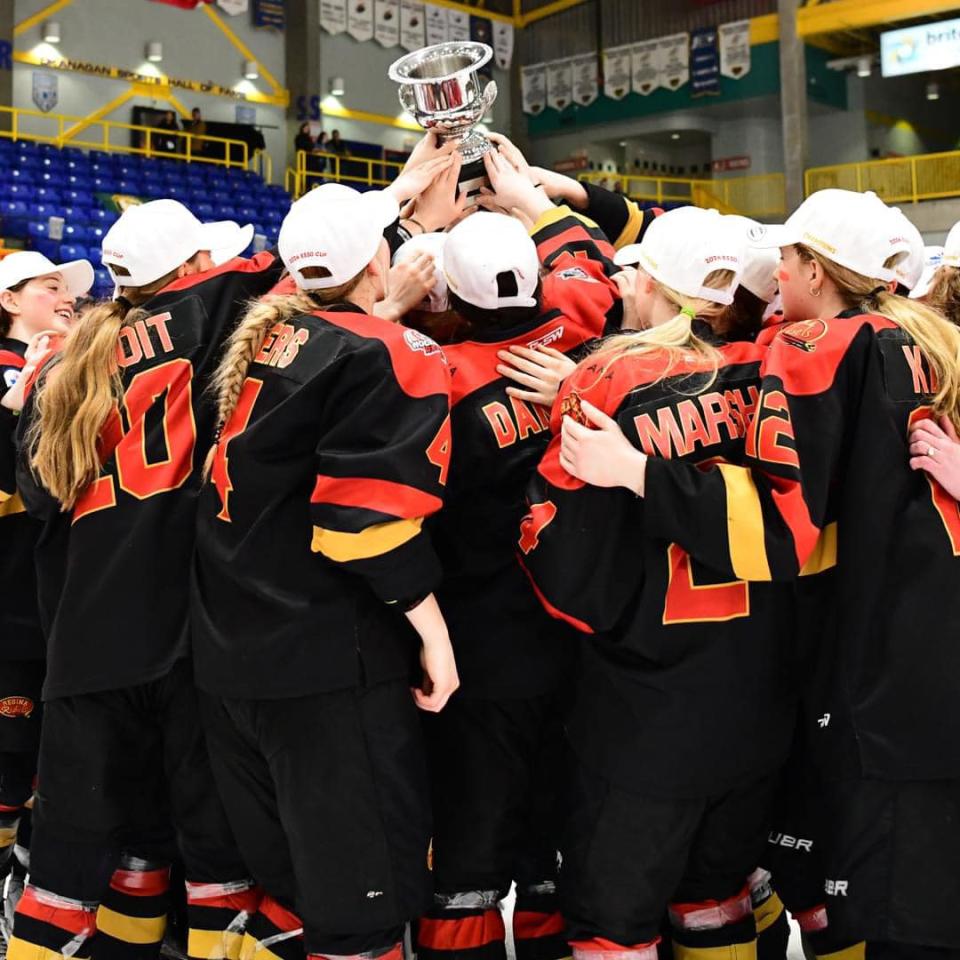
(762, 195)
(349, 170)
(69, 131)
(931, 176)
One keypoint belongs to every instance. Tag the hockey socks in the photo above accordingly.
(219, 914)
(463, 926)
(599, 949)
(538, 927)
(48, 926)
(132, 916)
(715, 929)
(273, 933)
(770, 916)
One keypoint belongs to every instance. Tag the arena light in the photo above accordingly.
(933, 91)
(864, 66)
(337, 87)
(674, 136)
(51, 32)
(250, 70)
(154, 52)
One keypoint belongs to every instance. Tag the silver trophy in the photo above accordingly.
(441, 89)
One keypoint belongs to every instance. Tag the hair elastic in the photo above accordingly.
(689, 312)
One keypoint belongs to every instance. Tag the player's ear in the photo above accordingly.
(9, 301)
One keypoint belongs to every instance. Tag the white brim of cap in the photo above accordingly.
(225, 239)
(628, 256)
(925, 282)
(78, 276)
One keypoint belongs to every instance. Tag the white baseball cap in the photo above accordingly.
(951, 247)
(682, 247)
(760, 265)
(909, 269)
(152, 239)
(338, 230)
(241, 240)
(27, 264)
(855, 230)
(490, 261)
(932, 262)
(436, 300)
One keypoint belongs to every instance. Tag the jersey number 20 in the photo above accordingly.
(136, 474)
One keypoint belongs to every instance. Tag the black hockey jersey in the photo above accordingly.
(619, 217)
(685, 680)
(827, 482)
(20, 635)
(310, 542)
(114, 571)
(505, 643)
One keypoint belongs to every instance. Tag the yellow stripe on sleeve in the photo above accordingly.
(130, 929)
(557, 214)
(372, 542)
(824, 554)
(634, 224)
(11, 504)
(748, 552)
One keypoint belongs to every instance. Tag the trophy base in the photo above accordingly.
(472, 179)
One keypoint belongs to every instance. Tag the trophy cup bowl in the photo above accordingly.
(441, 89)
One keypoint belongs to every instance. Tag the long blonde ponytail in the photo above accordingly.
(675, 338)
(245, 343)
(937, 338)
(73, 402)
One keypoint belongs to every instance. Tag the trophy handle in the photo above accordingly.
(406, 98)
(489, 95)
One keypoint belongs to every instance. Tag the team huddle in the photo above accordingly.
(548, 542)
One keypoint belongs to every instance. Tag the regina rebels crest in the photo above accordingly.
(16, 707)
(804, 334)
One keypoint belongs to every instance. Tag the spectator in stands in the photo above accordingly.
(304, 139)
(198, 127)
(166, 141)
(336, 145)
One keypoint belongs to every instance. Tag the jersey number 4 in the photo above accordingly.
(126, 434)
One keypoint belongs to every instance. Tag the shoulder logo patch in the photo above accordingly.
(421, 343)
(10, 377)
(16, 707)
(804, 334)
(575, 273)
